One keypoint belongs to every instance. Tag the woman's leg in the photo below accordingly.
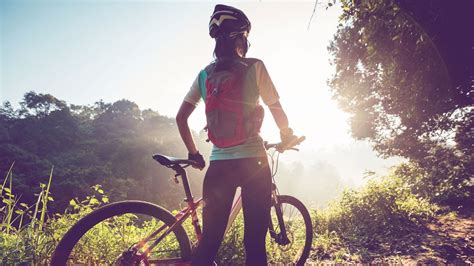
(218, 194)
(256, 201)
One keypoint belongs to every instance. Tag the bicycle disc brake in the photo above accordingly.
(131, 257)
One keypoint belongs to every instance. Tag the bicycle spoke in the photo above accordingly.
(118, 234)
(291, 214)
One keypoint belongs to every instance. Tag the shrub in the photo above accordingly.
(372, 218)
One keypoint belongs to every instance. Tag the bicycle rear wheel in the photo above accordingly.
(292, 247)
(115, 229)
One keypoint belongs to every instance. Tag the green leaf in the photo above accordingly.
(105, 199)
(7, 201)
(73, 203)
(94, 201)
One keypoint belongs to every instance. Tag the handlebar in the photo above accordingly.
(281, 146)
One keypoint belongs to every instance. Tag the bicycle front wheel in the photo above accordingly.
(119, 234)
(290, 232)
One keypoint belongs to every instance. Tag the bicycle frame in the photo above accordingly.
(191, 210)
(181, 216)
(146, 249)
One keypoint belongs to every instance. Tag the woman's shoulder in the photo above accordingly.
(252, 61)
(248, 62)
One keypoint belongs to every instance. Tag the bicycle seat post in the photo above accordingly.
(184, 177)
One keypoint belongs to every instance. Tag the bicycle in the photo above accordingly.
(163, 240)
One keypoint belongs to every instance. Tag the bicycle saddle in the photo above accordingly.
(169, 161)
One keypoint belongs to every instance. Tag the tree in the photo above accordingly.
(7, 112)
(40, 104)
(404, 71)
(107, 144)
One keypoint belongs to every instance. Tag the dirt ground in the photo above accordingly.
(449, 239)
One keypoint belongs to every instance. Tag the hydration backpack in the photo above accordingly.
(232, 111)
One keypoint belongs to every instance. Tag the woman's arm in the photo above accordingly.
(182, 121)
(286, 133)
(279, 115)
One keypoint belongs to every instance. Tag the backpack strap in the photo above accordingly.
(202, 83)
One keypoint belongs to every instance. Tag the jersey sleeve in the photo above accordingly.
(194, 95)
(265, 85)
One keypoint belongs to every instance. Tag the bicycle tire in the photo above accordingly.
(64, 248)
(298, 254)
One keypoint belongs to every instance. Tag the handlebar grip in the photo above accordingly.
(290, 146)
(281, 147)
(300, 139)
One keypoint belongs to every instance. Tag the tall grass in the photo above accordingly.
(28, 235)
(374, 219)
(360, 222)
(8, 200)
(22, 234)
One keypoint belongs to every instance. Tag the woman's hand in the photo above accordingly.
(199, 159)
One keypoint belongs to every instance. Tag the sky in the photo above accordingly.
(150, 52)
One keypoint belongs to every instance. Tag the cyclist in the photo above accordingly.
(237, 159)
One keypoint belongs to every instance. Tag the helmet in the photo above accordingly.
(227, 20)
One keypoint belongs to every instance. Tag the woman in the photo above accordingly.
(231, 87)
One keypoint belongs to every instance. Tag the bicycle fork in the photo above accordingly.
(281, 237)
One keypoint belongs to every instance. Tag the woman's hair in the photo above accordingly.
(227, 46)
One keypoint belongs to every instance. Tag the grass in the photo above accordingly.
(351, 229)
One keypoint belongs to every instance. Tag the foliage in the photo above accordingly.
(33, 240)
(383, 217)
(23, 234)
(441, 183)
(408, 85)
(40, 105)
(232, 251)
(375, 218)
(111, 144)
(100, 245)
(107, 144)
